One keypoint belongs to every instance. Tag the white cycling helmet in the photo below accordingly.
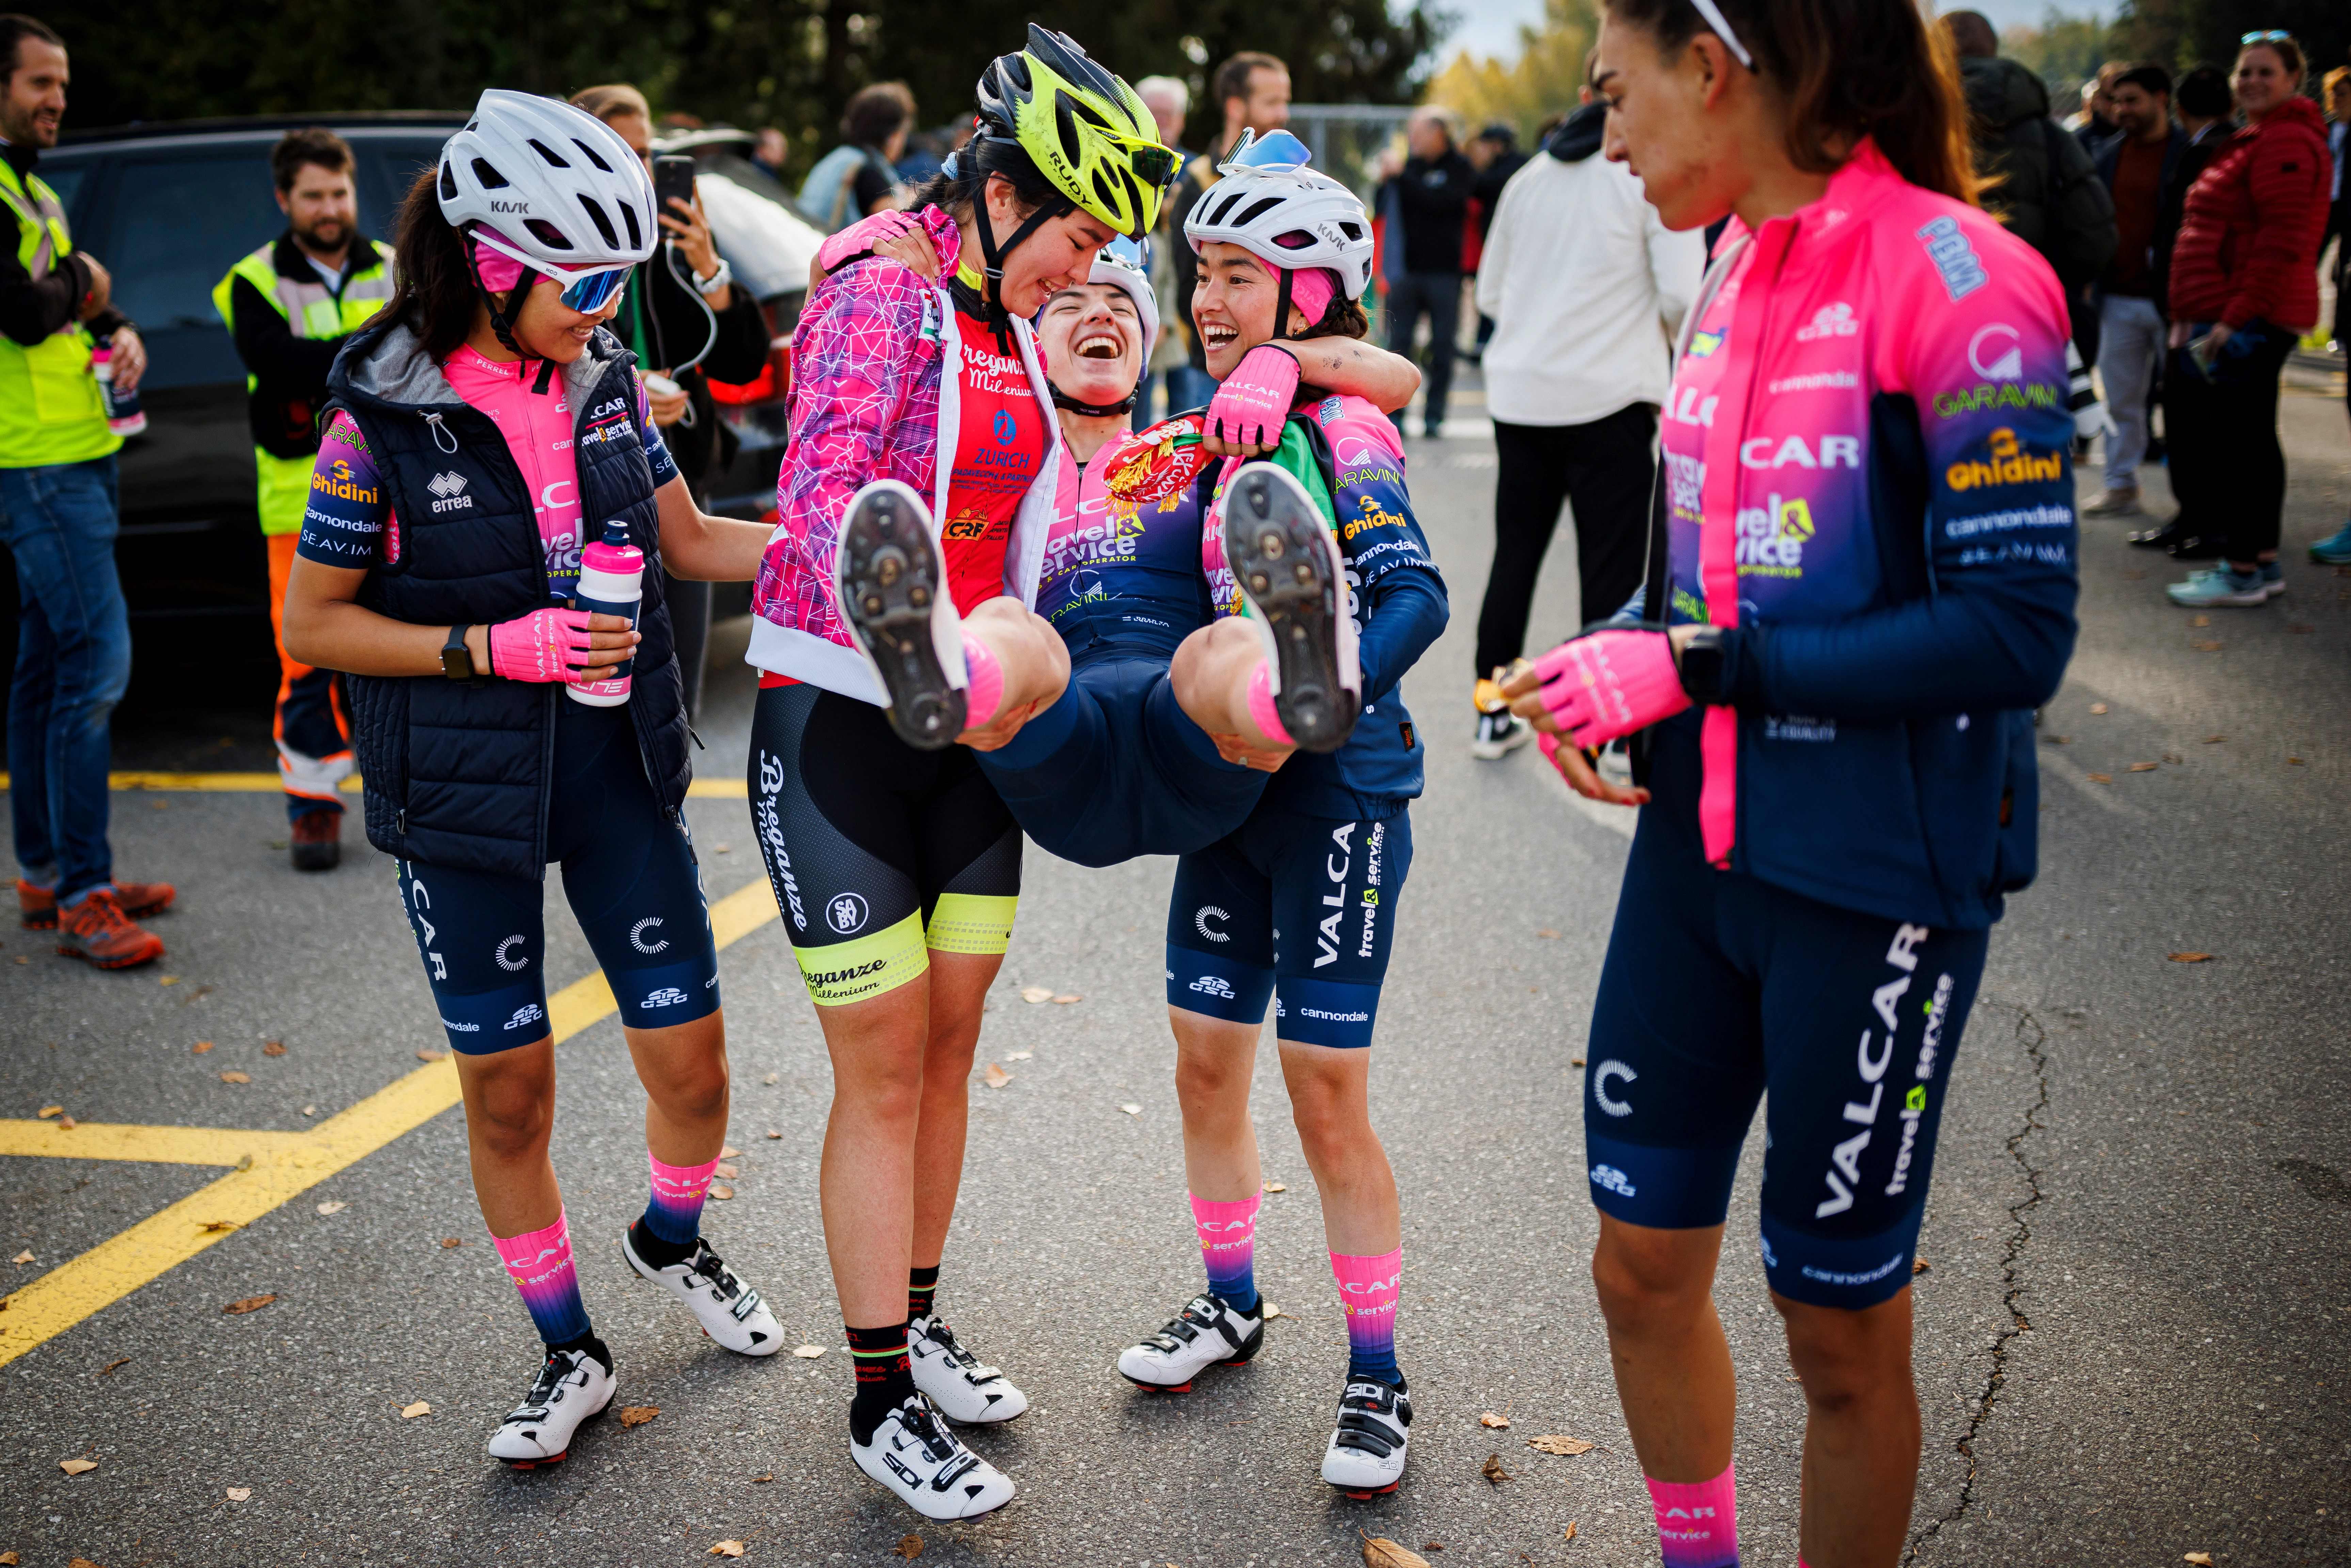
(1125, 262)
(1273, 206)
(563, 193)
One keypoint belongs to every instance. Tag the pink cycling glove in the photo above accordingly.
(866, 234)
(1253, 404)
(541, 646)
(1610, 683)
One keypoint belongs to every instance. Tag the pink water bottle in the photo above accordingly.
(612, 582)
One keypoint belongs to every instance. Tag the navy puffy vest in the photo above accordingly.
(457, 772)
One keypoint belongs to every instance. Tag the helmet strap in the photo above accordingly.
(503, 315)
(1282, 304)
(1091, 410)
(992, 256)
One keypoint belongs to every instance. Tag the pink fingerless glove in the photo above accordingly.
(1610, 683)
(1253, 404)
(541, 646)
(863, 236)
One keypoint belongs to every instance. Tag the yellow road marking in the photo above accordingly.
(159, 1145)
(269, 784)
(285, 1164)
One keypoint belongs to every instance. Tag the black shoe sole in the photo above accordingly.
(316, 857)
(1273, 540)
(891, 578)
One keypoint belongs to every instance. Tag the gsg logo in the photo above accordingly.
(846, 913)
(1214, 985)
(530, 1012)
(1614, 1181)
(667, 997)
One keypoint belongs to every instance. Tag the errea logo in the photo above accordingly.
(449, 492)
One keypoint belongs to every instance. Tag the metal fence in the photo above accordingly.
(1346, 138)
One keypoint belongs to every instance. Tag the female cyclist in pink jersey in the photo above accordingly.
(484, 425)
(1862, 583)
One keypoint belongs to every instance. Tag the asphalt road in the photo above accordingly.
(2131, 1338)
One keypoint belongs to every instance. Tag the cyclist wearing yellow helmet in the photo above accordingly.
(894, 618)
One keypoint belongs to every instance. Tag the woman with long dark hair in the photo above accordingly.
(484, 424)
(2244, 287)
(1868, 583)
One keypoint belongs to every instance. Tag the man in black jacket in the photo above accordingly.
(1428, 197)
(1494, 153)
(2136, 164)
(689, 324)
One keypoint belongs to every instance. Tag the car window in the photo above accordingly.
(178, 223)
(65, 179)
(388, 166)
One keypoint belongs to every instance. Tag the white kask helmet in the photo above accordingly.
(1269, 196)
(1125, 264)
(564, 195)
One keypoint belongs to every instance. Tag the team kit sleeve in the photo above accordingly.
(1985, 376)
(345, 520)
(1405, 609)
(657, 453)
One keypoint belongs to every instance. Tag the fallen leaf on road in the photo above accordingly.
(773, 1133)
(76, 1467)
(1432, 1546)
(201, 1047)
(638, 1414)
(773, 1078)
(909, 1547)
(2293, 762)
(1575, 1061)
(335, 1208)
(726, 1549)
(411, 1412)
(1570, 1530)
(1276, 1186)
(730, 1152)
(24, 1257)
(1064, 1001)
(167, 979)
(809, 1352)
(2214, 739)
(1490, 1419)
(453, 1241)
(2097, 707)
(1918, 1265)
(48, 1111)
(1552, 1443)
(214, 1227)
(1548, 934)
(233, 1076)
(430, 1055)
(722, 849)
(995, 1077)
(2206, 647)
(1035, 994)
(763, 1479)
(1132, 1110)
(2174, 758)
(68, 1123)
(272, 1048)
(244, 1304)
(721, 1191)
(2199, 620)
(1019, 1055)
(1492, 1469)
(2058, 739)
(309, 1110)
(2101, 778)
(238, 1494)
(2192, 957)
(1379, 1552)
(2202, 1559)
(7, 1560)
(726, 1168)
(2145, 767)
(109, 1367)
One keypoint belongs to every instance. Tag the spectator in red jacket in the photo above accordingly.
(2243, 287)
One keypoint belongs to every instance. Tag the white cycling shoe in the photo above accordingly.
(1365, 1456)
(915, 1454)
(1208, 1333)
(967, 1391)
(729, 1311)
(571, 1386)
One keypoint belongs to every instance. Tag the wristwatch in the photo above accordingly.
(1704, 664)
(717, 280)
(456, 659)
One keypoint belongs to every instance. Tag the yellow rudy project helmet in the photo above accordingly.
(1083, 128)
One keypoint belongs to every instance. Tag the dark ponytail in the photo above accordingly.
(1849, 69)
(436, 294)
(959, 194)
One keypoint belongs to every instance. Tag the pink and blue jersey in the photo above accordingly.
(1121, 578)
(1868, 477)
(348, 521)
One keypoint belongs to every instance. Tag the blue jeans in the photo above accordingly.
(73, 660)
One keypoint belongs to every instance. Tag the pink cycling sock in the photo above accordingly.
(1698, 1521)
(1261, 710)
(1368, 1288)
(985, 694)
(540, 1266)
(1228, 1246)
(674, 1212)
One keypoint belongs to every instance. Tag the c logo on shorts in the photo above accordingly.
(1600, 1076)
(846, 913)
(1200, 923)
(637, 936)
(507, 963)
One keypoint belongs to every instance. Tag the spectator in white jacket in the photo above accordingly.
(1587, 290)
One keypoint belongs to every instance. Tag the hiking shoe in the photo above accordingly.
(37, 906)
(317, 841)
(95, 930)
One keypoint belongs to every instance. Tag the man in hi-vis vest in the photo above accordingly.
(59, 519)
(290, 306)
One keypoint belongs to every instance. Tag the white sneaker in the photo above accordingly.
(1498, 735)
(571, 1387)
(1367, 1453)
(729, 1311)
(965, 1390)
(915, 1455)
(1288, 566)
(1208, 1333)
